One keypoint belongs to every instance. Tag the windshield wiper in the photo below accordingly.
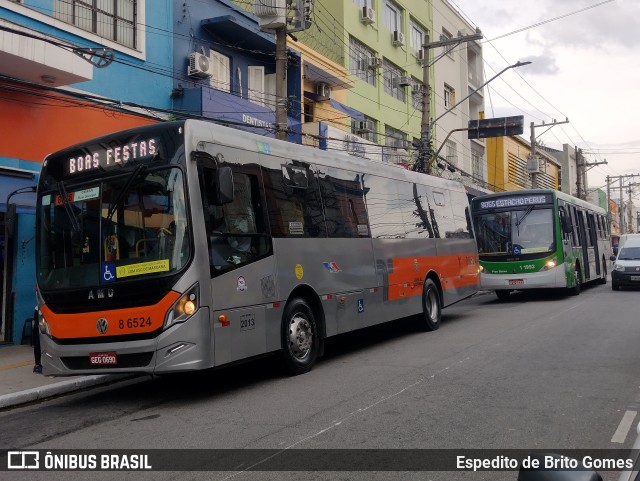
(524, 216)
(124, 190)
(75, 225)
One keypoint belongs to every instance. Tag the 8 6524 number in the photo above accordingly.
(134, 322)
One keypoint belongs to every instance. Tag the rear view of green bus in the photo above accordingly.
(532, 239)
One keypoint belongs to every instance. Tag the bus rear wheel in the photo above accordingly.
(431, 308)
(300, 338)
(603, 279)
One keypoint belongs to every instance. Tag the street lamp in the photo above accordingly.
(425, 157)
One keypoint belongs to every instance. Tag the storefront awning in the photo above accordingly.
(239, 32)
(351, 112)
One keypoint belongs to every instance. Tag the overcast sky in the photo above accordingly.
(585, 66)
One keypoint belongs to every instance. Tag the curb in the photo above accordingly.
(56, 389)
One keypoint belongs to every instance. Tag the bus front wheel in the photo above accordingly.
(431, 308)
(300, 338)
(575, 290)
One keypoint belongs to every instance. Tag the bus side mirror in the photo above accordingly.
(612, 258)
(224, 185)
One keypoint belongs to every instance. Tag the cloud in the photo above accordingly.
(540, 65)
(610, 24)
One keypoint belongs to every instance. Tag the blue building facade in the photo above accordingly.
(226, 68)
(55, 91)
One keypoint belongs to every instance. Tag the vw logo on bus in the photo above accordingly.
(102, 325)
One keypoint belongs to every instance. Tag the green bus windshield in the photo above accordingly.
(517, 232)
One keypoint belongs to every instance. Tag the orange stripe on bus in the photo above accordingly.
(457, 270)
(132, 320)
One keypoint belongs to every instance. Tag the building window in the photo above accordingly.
(365, 128)
(449, 96)
(446, 35)
(417, 89)
(418, 37)
(220, 71)
(396, 143)
(452, 153)
(476, 166)
(391, 72)
(360, 61)
(111, 19)
(392, 17)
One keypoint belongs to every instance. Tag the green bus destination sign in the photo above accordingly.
(117, 156)
(521, 201)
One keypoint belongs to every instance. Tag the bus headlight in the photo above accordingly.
(43, 326)
(550, 264)
(618, 267)
(184, 307)
(480, 269)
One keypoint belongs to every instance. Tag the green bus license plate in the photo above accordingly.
(516, 282)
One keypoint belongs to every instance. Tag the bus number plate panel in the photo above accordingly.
(103, 358)
(516, 282)
(635, 278)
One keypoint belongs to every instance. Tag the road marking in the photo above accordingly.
(623, 428)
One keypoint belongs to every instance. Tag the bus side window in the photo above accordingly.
(293, 199)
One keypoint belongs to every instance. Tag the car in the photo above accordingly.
(626, 267)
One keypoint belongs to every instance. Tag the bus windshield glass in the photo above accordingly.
(119, 229)
(517, 232)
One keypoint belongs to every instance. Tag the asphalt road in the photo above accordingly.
(541, 371)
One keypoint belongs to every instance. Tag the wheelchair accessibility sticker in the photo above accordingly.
(108, 272)
(360, 306)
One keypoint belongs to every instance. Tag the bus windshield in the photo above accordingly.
(523, 231)
(119, 229)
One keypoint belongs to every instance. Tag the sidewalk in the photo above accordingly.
(20, 385)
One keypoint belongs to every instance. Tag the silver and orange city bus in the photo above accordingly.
(188, 245)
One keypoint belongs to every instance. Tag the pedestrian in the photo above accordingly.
(35, 340)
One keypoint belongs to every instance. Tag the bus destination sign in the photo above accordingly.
(520, 201)
(117, 156)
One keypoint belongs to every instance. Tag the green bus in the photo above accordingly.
(539, 238)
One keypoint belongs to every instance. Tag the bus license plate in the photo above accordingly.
(635, 278)
(103, 358)
(516, 282)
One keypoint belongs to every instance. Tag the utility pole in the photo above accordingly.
(281, 83)
(274, 18)
(582, 168)
(609, 205)
(424, 163)
(621, 179)
(534, 174)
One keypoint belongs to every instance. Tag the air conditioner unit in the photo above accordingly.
(533, 166)
(398, 38)
(364, 126)
(323, 90)
(420, 57)
(400, 82)
(375, 62)
(199, 65)
(367, 15)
